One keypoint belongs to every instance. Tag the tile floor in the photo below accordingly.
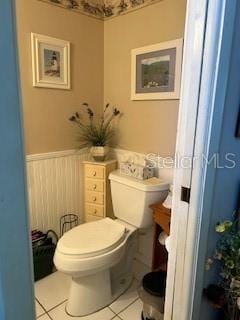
(51, 294)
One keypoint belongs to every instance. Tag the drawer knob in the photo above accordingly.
(94, 173)
(94, 186)
(95, 211)
(94, 199)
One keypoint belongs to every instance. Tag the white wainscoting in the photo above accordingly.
(55, 187)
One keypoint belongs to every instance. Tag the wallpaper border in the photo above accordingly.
(103, 11)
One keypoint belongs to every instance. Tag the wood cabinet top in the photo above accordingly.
(100, 163)
(158, 207)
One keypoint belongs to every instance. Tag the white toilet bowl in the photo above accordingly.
(87, 253)
(99, 255)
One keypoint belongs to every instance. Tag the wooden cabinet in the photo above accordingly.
(98, 202)
(162, 219)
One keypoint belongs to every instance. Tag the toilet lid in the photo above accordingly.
(92, 238)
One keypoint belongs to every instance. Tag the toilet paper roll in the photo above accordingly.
(168, 201)
(162, 238)
(168, 244)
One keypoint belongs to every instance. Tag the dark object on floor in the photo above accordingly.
(155, 283)
(219, 299)
(152, 293)
(216, 296)
(44, 246)
(67, 222)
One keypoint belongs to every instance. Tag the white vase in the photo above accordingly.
(99, 153)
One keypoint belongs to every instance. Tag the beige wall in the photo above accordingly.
(147, 126)
(46, 111)
(100, 70)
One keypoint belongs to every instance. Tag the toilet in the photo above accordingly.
(99, 255)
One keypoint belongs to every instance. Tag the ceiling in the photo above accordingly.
(102, 9)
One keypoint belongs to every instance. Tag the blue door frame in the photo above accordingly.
(16, 280)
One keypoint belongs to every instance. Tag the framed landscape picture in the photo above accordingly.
(156, 71)
(50, 62)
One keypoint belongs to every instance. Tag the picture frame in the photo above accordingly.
(50, 62)
(156, 71)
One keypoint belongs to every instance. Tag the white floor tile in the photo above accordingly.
(39, 309)
(44, 317)
(52, 290)
(126, 299)
(140, 269)
(60, 314)
(133, 312)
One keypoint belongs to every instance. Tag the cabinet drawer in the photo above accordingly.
(94, 185)
(94, 210)
(92, 171)
(91, 218)
(95, 197)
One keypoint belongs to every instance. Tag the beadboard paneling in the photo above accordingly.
(55, 187)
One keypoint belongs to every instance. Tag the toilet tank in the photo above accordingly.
(131, 198)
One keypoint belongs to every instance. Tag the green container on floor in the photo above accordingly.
(43, 260)
(43, 252)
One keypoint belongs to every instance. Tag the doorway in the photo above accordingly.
(21, 304)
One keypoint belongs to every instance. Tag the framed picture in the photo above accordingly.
(156, 71)
(50, 62)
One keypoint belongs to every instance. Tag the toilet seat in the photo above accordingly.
(92, 238)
